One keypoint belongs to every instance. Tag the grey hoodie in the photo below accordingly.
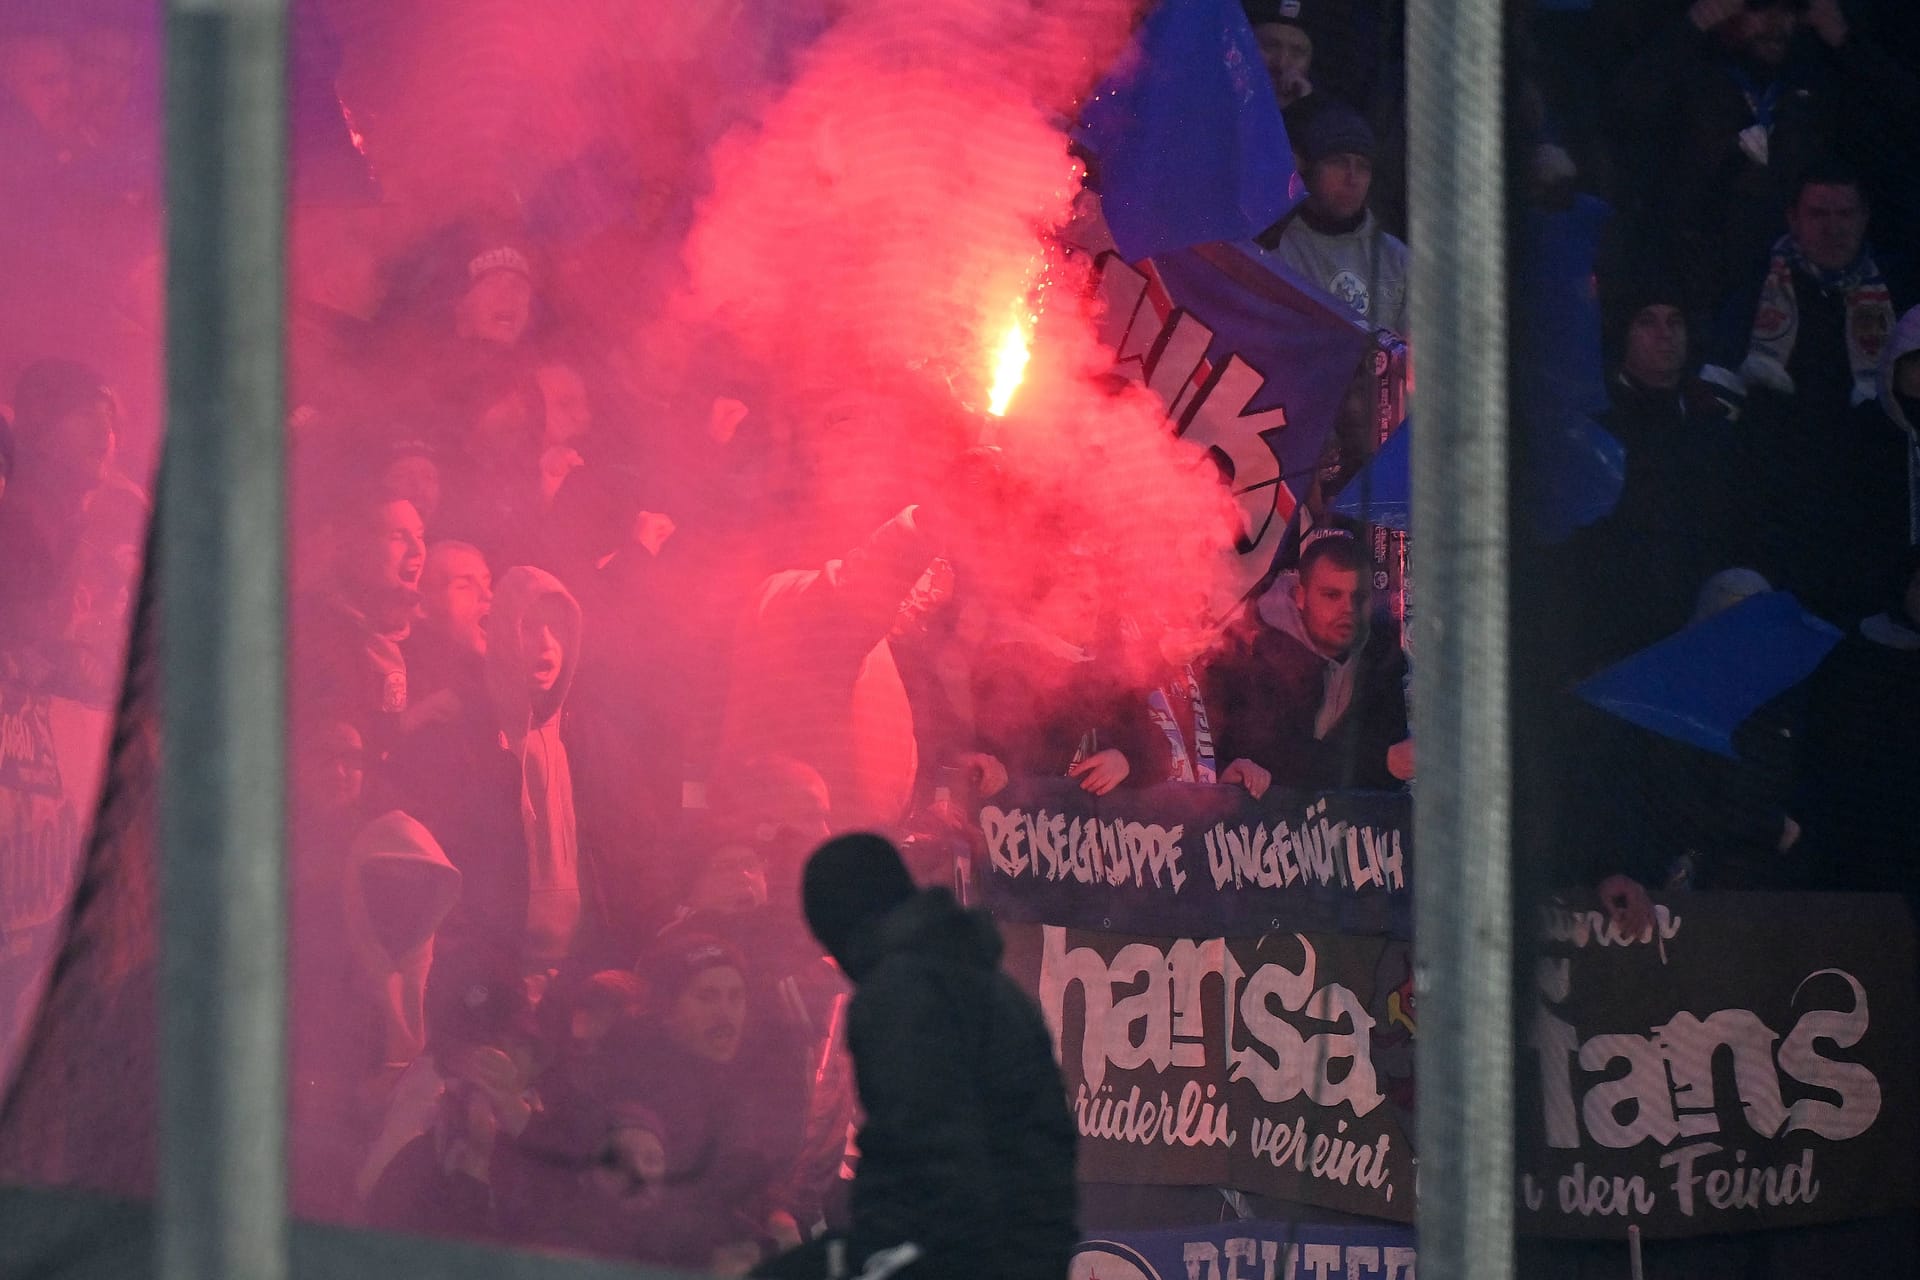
(530, 728)
(1278, 610)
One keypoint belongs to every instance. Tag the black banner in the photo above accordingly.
(1208, 861)
(1280, 1065)
(1748, 1063)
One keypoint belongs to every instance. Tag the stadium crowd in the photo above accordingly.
(583, 667)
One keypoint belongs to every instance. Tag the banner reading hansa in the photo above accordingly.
(1206, 861)
(1249, 1250)
(1281, 1065)
(1747, 1064)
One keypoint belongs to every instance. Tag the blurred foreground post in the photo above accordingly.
(222, 1187)
(1463, 928)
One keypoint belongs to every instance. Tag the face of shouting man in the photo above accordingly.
(709, 1016)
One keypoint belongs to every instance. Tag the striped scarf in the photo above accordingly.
(1776, 321)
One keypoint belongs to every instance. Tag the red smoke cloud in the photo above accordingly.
(880, 226)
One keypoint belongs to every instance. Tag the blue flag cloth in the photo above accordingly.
(1187, 134)
(1575, 470)
(1701, 682)
(1576, 473)
(1382, 491)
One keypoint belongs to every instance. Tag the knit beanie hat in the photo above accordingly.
(476, 996)
(1335, 130)
(1294, 13)
(848, 881)
(1625, 298)
(679, 956)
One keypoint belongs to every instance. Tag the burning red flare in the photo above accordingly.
(1009, 365)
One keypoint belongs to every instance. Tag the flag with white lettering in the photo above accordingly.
(1280, 1065)
(1206, 861)
(1748, 1062)
(1252, 367)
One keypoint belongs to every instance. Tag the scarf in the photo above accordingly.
(1196, 765)
(1776, 322)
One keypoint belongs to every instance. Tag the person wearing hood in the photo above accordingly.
(1860, 758)
(361, 1009)
(1332, 240)
(1308, 686)
(494, 781)
(967, 1152)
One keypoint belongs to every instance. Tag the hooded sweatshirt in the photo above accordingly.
(1311, 721)
(359, 1008)
(1904, 411)
(530, 730)
(399, 887)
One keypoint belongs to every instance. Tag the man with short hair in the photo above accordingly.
(1818, 320)
(448, 647)
(1332, 239)
(347, 661)
(1803, 348)
(494, 782)
(1719, 113)
(1310, 687)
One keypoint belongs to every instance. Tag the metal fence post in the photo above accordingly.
(1463, 928)
(222, 1192)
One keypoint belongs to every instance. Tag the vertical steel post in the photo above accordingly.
(222, 1192)
(1462, 816)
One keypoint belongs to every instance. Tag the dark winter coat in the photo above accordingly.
(1683, 515)
(1268, 686)
(347, 669)
(968, 1147)
(1829, 481)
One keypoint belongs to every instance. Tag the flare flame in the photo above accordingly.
(1009, 365)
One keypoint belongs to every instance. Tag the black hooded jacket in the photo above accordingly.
(968, 1148)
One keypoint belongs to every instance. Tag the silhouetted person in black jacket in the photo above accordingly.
(966, 1156)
